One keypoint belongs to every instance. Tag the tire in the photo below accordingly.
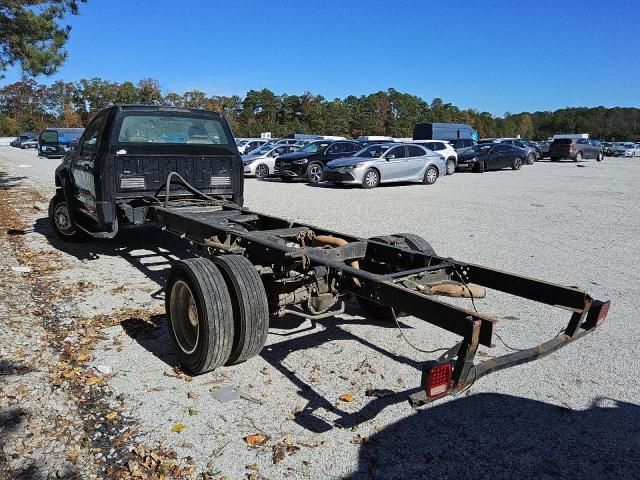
(60, 219)
(196, 287)
(370, 179)
(578, 157)
(479, 167)
(517, 163)
(531, 158)
(411, 242)
(599, 157)
(430, 176)
(250, 306)
(451, 166)
(314, 173)
(262, 171)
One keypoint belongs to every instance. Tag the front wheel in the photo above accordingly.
(430, 176)
(60, 218)
(451, 166)
(599, 157)
(262, 171)
(314, 173)
(531, 158)
(578, 157)
(517, 163)
(371, 179)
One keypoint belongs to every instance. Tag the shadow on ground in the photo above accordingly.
(504, 437)
(8, 181)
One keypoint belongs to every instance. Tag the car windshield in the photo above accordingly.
(313, 147)
(172, 129)
(262, 150)
(372, 151)
(480, 148)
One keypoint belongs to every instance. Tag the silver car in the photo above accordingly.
(387, 162)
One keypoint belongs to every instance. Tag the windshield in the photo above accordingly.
(262, 150)
(372, 151)
(480, 148)
(314, 147)
(172, 129)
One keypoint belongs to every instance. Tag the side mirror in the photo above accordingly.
(390, 157)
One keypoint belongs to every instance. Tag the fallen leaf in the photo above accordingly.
(193, 412)
(111, 415)
(83, 357)
(255, 439)
(192, 395)
(178, 427)
(93, 380)
(346, 397)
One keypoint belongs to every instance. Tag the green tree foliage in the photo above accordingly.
(31, 34)
(27, 105)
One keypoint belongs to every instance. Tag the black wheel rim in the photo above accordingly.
(62, 219)
(185, 320)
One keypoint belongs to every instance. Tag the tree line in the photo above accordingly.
(29, 106)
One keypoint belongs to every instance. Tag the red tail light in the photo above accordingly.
(439, 380)
(597, 314)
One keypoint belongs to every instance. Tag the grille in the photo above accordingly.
(220, 180)
(137, 183)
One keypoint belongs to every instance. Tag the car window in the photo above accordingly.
(91, 137)
(398, 152)
(173, 129)
(430, 146)
(335, 148)
(581, 141)
(415, 151)
(501, 148)
(349, 148)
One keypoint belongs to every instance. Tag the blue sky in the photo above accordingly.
(495, 56)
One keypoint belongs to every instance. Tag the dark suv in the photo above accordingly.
(309, 161)
(574, 149)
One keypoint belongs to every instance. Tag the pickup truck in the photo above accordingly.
(179, 170)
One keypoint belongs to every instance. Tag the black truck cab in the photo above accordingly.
(122, 161)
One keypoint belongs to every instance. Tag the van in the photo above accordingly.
(443, 131)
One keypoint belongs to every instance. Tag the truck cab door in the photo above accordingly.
(82, 167)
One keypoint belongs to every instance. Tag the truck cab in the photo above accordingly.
(122, 161)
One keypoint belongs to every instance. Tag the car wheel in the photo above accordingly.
(531, 158)
(430, 176)
(451, 166)
(599, 157)
(517, 163)
(314, 173)
(371, 178)
(479, 167)
(60, 218)
(262, 171)
(578, 157)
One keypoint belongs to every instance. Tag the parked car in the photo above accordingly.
(261, 161)
(309, 161)
(22, 137)
(387, 162)
(531, 155)
(30, 143)
(250, 145)
(462, 144)
(492, 156)
(632, 151)
(544, 148)
(442, 148)
(619, 149)
(575, 149)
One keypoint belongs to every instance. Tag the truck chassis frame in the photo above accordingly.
(296, 269)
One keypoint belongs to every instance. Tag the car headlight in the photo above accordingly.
(301, 161)
(357, 165)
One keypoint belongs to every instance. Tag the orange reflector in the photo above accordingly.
(439, 380)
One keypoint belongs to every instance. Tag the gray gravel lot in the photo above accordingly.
(573, 414)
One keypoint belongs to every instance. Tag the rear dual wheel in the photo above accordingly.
(218, 312)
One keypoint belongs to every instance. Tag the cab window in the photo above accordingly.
(91, 137)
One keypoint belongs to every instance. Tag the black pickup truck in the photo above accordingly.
(179, 170)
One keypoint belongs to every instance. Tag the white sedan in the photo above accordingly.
(261, 161)
(632, 151)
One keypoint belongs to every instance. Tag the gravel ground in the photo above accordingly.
(573, 414)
